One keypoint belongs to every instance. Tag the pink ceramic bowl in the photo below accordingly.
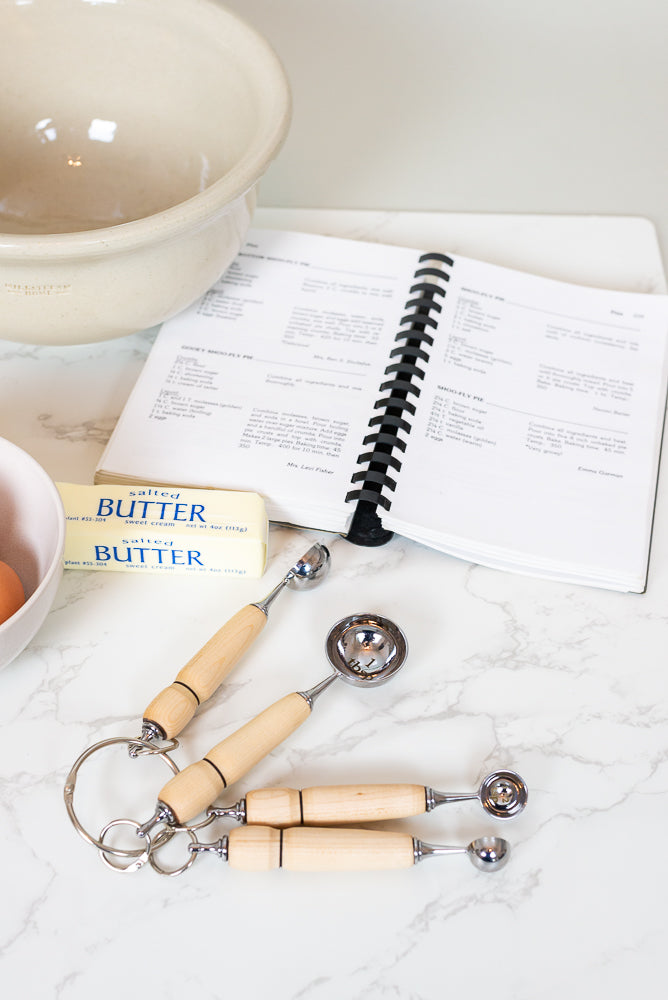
(134, 135)
(32, 539)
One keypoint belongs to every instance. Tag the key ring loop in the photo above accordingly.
(134, 864)
(140, 747)
(163, 838)
(70, 784)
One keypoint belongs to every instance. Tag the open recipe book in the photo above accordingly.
(507, 419)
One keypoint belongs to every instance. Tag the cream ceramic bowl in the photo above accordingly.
(32, 541)
(133, 134)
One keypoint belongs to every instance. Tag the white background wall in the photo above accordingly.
(473, 105)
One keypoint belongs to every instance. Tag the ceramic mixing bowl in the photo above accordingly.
(32, 540)
(133, 135)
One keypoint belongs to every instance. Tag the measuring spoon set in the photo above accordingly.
(285, 828)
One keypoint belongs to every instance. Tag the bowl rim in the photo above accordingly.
(201, 208)
(56, 565)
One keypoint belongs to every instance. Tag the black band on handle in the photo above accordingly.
(366, 526)
(217, 770)
(188, 688)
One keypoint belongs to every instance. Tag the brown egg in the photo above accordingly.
(11, 592)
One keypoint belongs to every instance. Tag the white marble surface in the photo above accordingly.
(565, 684)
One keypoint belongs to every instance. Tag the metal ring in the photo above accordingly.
(136, 862)
(70, 783)
(164, 837)
(211, 816)
(140, 748)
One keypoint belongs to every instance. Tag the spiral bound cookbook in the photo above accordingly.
(504, 418)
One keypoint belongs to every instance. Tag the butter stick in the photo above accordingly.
(159, 529)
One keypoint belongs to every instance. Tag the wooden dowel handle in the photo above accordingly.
(274, 807)
(172, 710)
(313, 849)
(202, 675)
(205, 672)
(194, 789)
(333, 805)
(237, 754)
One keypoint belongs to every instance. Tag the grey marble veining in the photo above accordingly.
(565, 684)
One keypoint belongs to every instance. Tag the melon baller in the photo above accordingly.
(502, 794)
(276, 814)
(319, 849)
(316, 849)
(363, 649)
(172, 709)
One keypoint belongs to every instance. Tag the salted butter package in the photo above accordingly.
(159, 529)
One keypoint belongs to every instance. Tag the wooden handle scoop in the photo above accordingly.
(195, 787)
(364, 649)
(502, 794)
(318, 849)
(171, 710)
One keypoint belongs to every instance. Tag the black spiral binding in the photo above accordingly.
(375, 477)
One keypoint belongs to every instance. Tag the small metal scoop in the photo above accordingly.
(487, 854)
(324, 849)
(364, 649)
(502, 794)
(306, 572)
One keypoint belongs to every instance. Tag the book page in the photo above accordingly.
(539, 424)
(267, 383)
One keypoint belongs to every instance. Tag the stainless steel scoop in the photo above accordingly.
(487, 854)
(363, 649)
(171, 710)
(502, 794)
(260, 848)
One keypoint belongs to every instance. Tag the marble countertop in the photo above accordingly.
(565, 684)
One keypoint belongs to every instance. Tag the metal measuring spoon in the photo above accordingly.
(168, 714)
(261, 848)
(502, 794)
(487, 854)
(363, 649)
